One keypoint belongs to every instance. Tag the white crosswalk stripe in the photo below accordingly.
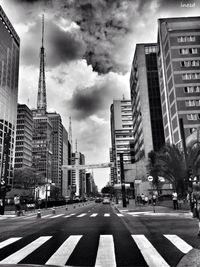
(107, 215)
(70, 215)
(24, 252)
(46, 216)
(94, 215)
(81, 215)
(9, 241)
(120, 215)
(150, 254)
(106, 252)
(179, 243)
(61, 256)
(56, 216)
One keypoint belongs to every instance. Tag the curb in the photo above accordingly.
(192, 258)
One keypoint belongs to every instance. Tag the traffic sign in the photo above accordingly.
(161, 179)
(150, 178)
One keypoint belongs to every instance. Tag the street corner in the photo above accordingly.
(192, 258)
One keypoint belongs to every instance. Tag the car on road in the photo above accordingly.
(98, 200)
(106, 200)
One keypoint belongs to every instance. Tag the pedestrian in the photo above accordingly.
(17, 204)
(143, 198)
(175, 200)
(146, 199)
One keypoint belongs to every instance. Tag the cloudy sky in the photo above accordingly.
(89, 47)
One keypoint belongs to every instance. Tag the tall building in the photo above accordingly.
(9, 72)
(24, 137)
(42, 126)
(179, 75)
(42, 145)
(65, 161)
(145, 100)
(78, 176)
(121, 135)
(57, 148)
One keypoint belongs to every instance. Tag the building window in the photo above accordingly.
(184, 51)
(190, 103)
(191, 76)
(183, 39)
(192, 117)
(189, 63)
(198, 102)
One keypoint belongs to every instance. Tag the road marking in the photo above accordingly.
(107, 215)
(120, 215)
(67, 216)
(30, 217)
(106, 252)
(61, 256)
(94, 215)
(3, 217)
(150, 254)
(81, 215)
(56, 216)
(9, 241)
(24, 252)
(179, 243)
(45, 216)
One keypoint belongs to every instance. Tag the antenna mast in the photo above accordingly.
(41, 99)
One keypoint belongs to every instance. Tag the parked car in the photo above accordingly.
(98, 200)
(106, 200)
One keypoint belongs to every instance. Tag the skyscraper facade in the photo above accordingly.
(57, 148)
(9, 72)
(65, 161)
(42, 145)
(78, 176)
(24, 137)
(179, 75)
(145, 101)
(121, 135)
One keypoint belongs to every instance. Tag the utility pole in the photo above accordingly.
(123, 181)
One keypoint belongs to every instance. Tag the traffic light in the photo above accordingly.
(190, 172)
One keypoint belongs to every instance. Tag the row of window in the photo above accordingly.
(193, 117)
(185, 51)
(192, 103)
(184, 39)
(192, 89)
(190, 63)
(191, 76)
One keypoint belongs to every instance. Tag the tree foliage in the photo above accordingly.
(170, 163)
(107, 190)
(26, 178)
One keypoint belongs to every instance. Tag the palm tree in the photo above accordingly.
(170, 163)
(193, 157)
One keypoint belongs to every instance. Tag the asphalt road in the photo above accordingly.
(96, 235)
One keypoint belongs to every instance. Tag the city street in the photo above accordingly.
(97, 235)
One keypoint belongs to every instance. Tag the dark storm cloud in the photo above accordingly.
(104, 26)
(100, 23)
(86, 102)
(60, 46)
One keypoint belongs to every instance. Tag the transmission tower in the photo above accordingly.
(41, 100)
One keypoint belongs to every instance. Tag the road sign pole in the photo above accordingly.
(123, 181)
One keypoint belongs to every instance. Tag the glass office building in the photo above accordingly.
(9, 72)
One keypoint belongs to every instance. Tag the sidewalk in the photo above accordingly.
(164, 206)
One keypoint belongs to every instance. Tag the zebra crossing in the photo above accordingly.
(105, 254)
(54, 216)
